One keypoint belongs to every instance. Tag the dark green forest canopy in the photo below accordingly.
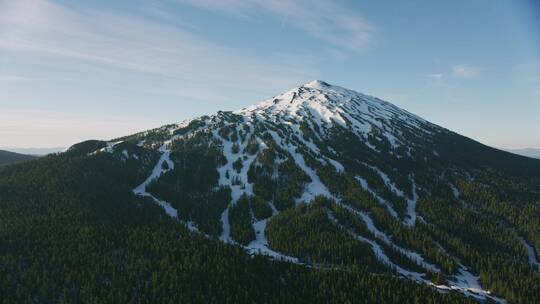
(72, 231)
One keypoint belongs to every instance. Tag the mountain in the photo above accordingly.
(35, 151)
(320, 194)
(7, 157)
(529, 152)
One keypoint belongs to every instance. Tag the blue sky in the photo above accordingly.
(74, 70)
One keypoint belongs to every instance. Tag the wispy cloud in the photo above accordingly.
(325, 20)
(435, 76)
(464, 71)
(138, 58)
(122, 41)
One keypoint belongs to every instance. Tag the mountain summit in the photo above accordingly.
(321, 106)
(326, 179)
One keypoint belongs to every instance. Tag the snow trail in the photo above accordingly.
(411, 255)
(465, 282)
(531, 253)
(157, 171)
(411, 201)
(260, 244)
(378, 251)
(411, 205)
(469, 284)
(315, 187)
(382, 201)
(229, 177)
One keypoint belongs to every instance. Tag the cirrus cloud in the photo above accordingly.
(39, 28)
(325, 20)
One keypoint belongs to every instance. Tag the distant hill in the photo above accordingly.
(34, 151)
(530, 152)
(7, 157)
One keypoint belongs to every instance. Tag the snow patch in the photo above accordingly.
(379, 252)
(315, 187)
(260, 244)
(382, 201)
(229, 177)
(411, 205)
(414, 256)
(156, 173)
(469, 284)
(531, 253)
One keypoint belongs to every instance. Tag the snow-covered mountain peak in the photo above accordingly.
(367, 166)
(322, 106)
(316, 84)
(314, 95)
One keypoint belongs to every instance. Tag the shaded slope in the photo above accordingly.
(71, 231)
(7, 157)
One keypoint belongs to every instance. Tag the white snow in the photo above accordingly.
(457, 195)
(318, 155)
(382, 201)
(468, 284)
(387, 181)
(324, 106)
(227, 176)
(274, 209)
(369, 223)
(416, 257)
(411, 205)
(315, 187)
(465, 282)
(225, 226)
(260, 244)
(339, 167)
(191, 226)
(379, 252)
(531, 253)
(156, 173)
(411, 202)
(110, 146)
(455, 191)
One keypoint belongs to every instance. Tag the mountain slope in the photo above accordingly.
(529, 152)
(328, 179)
(7, 157)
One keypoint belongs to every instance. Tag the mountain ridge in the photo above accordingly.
(528, 152)
(300, 119)
(327, 179)
(7, 157)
